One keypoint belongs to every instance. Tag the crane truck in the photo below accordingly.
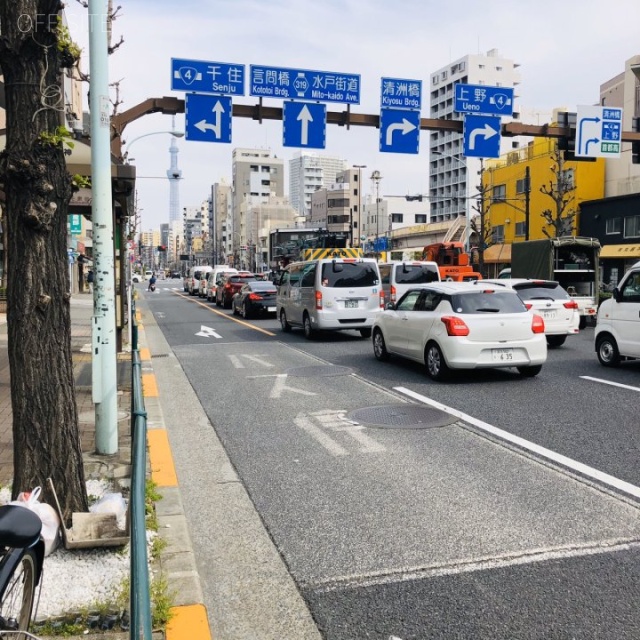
(452, 260)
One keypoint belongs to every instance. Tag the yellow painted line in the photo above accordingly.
(145, 354)
(149, 385)
(188, 623)
(224, 315)
(138, 316)
(163, 473)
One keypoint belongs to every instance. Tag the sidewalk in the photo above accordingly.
(176, 561)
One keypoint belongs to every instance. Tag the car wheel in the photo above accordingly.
(556, 341)
(365, 333)
(217, 301)
(607, 350)
(308, 329)
(245, 313)
(583, 322)
(530, 372)
(437, 368)
(226, 304)
(379, 347)
(286, 327)
(235, 310)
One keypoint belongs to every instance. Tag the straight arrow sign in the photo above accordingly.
(305, 118)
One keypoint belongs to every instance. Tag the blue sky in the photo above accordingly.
(566, 49)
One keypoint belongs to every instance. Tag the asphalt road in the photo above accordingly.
(443, 530)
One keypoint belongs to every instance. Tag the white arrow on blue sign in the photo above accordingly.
(304, 124)
(399, 131)
(481, 136)
(208, 118)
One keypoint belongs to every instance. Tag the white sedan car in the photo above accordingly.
(548, 299)
(461, 325)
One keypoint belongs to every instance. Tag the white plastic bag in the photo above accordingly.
(50, 520)
(112, 503)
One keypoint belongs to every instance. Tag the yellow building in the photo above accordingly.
(504, 185)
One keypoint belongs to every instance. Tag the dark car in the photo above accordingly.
(230, 285)
(175, 274)
(255, 299)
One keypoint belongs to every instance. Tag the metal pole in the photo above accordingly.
(527, 192)
(105, 387)
(359, 167)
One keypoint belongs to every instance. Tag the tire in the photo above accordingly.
(365, 333)
(309, 333)
(583, 322)
(284, 324)
(235, 310)
(18, 597)
(607, 350)
(225, 304)
(531, 371)
(218, 301)
(437, 368)
(245, 314)
(556, 341)
(380, 347)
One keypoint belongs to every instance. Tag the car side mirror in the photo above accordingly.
(390, 305)
(617, 295)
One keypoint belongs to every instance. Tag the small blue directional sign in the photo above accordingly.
(303, 84)
(304, 124)
(400, 94)
(598, 132)
(399, 131)
(478, 98)
(200, 76)
(481, 136)
(208, 118)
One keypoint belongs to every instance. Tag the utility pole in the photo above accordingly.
(527, 197)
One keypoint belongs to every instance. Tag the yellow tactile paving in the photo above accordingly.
(163, 473)
(189, 623)
(145, 354)
(149, 385)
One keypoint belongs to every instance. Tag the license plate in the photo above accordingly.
(502, 355)
(549, 315)
(271, 309)
(350, 304)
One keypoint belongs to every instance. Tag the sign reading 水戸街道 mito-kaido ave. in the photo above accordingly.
(304, 84)
(200, 76)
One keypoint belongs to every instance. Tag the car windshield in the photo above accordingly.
(487, 302)
(349, 274)
(541, 291)
(416, 274)
(241, 279)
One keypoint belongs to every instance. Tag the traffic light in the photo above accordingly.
(161, 247)
(635, 146)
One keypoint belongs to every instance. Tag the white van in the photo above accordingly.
(617, 333)
(331, 294)
(213, 280)
(194, 278)
(399, 276)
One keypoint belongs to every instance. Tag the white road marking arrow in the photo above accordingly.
(405, 126)
(305, 118)
(208, 332)
(203, 125)
(486, 132)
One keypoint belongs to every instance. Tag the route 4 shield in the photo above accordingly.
(208, 118)
(481, 136)
(399, 131)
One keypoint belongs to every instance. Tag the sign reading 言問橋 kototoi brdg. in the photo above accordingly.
(304, 84)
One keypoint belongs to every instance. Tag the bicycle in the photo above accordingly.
(21, 565)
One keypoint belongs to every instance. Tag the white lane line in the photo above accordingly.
(574, 465)
(613, 384)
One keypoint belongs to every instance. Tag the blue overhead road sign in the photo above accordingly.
(399, 131)
(200, 76)
(400, 94)
(479, 98)
(598, 132)
(208, 118)
(303, 84)
(304, 124)
(481, 136)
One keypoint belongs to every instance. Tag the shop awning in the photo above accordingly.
(620, 251)
(497, 253)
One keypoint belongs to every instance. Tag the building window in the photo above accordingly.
(614, 225)
(421, 218)
(396, 217)
(443, 75)
(499, 193)
(498, 68)
(497, 234)
(480, 66)
(632, 227)
(266, 183)
(521, 186)
(520, 228)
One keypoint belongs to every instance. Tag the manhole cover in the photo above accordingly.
(321, 370)
(402, 416)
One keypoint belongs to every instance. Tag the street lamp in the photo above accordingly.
(467, 222)
(359, 167)
(175, 134)
(376, 176)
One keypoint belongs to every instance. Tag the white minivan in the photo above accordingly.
(332, 294)
(617, 333)
(398, 276)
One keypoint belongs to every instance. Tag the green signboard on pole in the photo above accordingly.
(75, 224)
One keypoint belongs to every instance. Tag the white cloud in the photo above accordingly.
(566, 50)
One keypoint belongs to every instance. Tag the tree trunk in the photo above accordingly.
(38, 189)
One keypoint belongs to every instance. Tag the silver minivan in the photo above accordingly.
(399, 276)
(332, 294)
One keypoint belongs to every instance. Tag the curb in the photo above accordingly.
(189, 615)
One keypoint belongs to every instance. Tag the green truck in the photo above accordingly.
(573, 261)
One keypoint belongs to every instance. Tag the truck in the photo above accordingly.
(572, 261)
(452, 260)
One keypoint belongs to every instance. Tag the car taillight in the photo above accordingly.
(254, 296)
(455, 326)
(227, 286)
(528, 305)
(381, 299)
(572, 304)
(537, 324)
(393, 293)
(318, 300)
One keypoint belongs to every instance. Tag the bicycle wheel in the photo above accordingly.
(17, 598)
